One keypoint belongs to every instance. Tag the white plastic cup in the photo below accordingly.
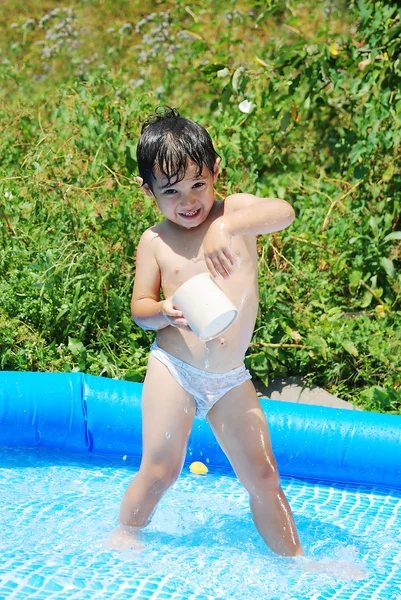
(206, 308)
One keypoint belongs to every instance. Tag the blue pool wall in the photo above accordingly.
(83, 413)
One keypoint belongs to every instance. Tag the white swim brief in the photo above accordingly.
(206, 388)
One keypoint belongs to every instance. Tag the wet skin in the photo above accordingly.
(180, 255)
(200, 235)
(178, 247)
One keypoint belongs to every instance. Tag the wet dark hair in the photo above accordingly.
(168, 141)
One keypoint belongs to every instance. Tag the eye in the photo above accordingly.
(199, 184)
(169, 192)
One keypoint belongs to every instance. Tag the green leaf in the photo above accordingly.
(335, 314)
(285, 121)
(319, 345)
(137, 375)
(360, 171)
(388, 173)
(213, 68)
(350, 347)
(379, 398)
(237, 79)
(130, 158)
(225, 97)
(366, 299)
(374, 225)
(388, 266)
(75, 346)
(356, 152)
(394, 235)
(394, 32)
(355, 278)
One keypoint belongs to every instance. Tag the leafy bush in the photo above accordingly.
(302, 103)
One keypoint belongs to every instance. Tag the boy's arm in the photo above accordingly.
(247, 214)
(148, 311)
(244, 214)
(146, 307)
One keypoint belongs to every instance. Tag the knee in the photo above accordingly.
(161, 476)
(264, 477)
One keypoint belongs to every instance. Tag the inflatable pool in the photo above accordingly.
(70, 443)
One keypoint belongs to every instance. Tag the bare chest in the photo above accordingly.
(185, 258)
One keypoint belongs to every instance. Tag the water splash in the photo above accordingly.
(244, 296)
(199, 522)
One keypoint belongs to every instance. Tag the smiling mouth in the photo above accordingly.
(190, 214)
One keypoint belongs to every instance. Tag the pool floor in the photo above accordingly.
(57, 510)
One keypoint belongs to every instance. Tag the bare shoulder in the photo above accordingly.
(240, 200)
(148, 235)
(152, 235)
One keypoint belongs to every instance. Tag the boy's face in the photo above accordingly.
(188, 202)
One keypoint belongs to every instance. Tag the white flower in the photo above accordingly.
(29, 24)
(126, 28)
(223, 73)
(246, 107)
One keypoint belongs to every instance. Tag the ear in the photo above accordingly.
(216, 169)
(145, 187)
(148, 191)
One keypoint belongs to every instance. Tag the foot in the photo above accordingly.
(123, 538)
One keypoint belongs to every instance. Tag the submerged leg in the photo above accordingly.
(240, 426)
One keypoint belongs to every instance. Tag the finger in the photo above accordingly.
(229, 255)
(178, 320)
(219, 267)
(210, 266)
(226, 263)
(175, 309)
(174, 312)
(222, 265)
(183, 322)
(179, 323)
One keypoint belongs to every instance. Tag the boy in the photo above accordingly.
(179, 167)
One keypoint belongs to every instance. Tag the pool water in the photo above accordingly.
(57, 510)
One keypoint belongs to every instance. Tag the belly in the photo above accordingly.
(226, 352)
(223, 353)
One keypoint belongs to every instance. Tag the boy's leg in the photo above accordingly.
(167, 416)
(240, 426)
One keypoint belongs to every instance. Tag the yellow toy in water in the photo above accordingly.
(198, 468)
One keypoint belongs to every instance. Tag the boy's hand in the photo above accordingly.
(174, 316)
(216, 247)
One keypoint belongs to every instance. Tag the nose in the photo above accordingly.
(188, 203)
